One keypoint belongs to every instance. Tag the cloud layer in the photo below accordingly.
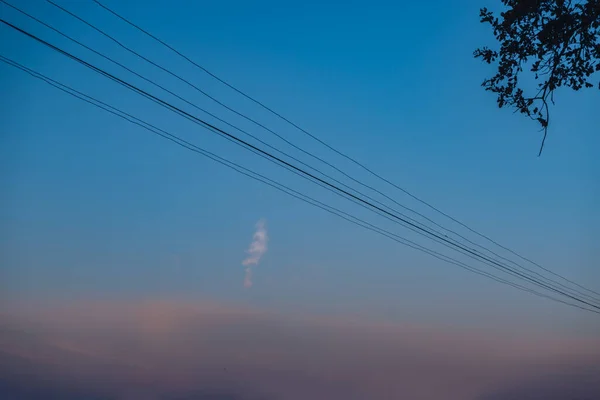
(206, 351)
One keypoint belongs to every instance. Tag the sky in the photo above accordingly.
(171, 350)
(94, 209)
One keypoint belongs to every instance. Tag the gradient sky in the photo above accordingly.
(170, 350)
(93, 207)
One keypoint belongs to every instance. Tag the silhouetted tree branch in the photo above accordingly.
(557, 40)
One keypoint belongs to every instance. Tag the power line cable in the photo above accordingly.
(297, 160)
(357, 221)
(209, 113)
(102, 32)
(212, 115)
(243, 131)
(353, 160)
(279, 160)
(271, 156)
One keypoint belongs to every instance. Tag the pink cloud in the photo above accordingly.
(178, 349)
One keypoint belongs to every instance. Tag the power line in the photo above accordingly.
(120, 44)
(181, 112)
(307, 174)
(471, 250)
(353, 160)
(214, 116)
(210, 114)
(261, 178)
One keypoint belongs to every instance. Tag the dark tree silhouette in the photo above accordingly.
(557, 40)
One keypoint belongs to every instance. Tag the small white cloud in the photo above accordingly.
(257, 249)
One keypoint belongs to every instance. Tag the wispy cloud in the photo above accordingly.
(257, 249)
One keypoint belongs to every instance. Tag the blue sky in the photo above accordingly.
(95, 207)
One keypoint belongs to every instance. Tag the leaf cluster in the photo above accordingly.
(558, 41)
